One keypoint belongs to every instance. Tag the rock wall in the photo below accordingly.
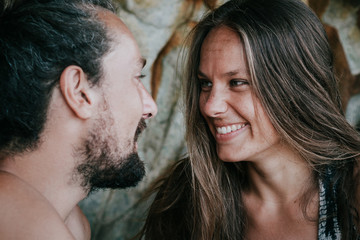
(160, 27)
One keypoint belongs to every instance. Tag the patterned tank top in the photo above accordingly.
(328, 223)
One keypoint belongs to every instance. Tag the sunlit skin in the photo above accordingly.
(244, 133)
(126, 95)
(227, 100)
(108, 157)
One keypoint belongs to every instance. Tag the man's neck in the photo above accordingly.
(51, 177)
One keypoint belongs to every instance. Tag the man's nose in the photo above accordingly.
(149, 105)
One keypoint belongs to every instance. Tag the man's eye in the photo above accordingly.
(139, 77)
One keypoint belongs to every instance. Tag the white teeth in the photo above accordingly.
(230, 128)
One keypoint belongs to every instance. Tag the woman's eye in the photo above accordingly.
(205, 85)
(237, 82)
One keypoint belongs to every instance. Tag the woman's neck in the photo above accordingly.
(274, 198)
(280, 178)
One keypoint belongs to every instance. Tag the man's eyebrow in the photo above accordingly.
(142, 62)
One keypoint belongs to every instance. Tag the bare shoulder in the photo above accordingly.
(78, 224)
(26, 214)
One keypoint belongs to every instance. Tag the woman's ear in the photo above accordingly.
(76, 91)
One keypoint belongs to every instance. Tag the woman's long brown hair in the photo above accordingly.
(291, 67)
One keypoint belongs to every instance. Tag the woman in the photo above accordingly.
(270, 154)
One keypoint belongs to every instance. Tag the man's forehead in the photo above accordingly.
(113, 22)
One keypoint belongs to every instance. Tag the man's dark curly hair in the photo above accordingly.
(38, 40)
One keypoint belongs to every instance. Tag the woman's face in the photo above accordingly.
(236, 118)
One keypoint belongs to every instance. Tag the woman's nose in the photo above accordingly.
(215, 104)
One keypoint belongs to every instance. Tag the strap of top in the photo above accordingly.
(328, 223)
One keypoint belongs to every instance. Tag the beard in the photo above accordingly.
(103, 163)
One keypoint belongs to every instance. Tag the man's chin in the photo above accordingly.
(128, 173)
(103, 161)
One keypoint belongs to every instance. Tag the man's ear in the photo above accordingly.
(76, 91)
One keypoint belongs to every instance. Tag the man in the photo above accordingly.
(72, 106)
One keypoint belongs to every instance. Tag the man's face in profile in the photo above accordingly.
(108, 156)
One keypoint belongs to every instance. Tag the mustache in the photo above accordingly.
(141, 126)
